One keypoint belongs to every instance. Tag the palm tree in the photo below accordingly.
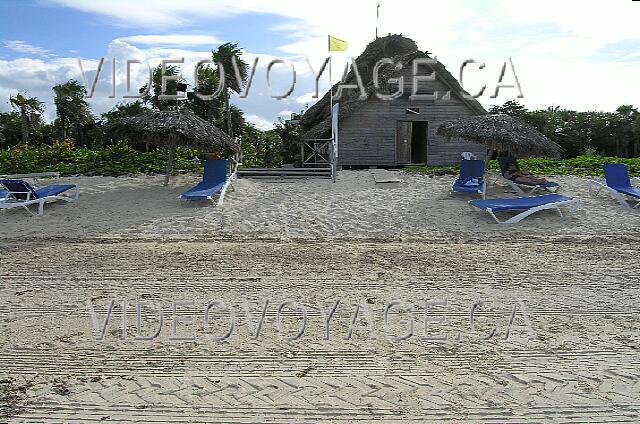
(152, 95)
(209, 110)
(225, 55)
(71, 107)
(636, 131)
(30, 109)
(627, 114)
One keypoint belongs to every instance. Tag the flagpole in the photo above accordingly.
(377, 18)
(330, 83)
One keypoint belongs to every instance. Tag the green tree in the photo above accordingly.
(636, 132)
(11, 128)
(225, 56)
(72, 109)
(211, 110)
(237, 120)
(624, 118)
(30, 110)
(511, 107)
(290, 135)
(609, 133)
(124, 110)
(260, 148)
(152, 95)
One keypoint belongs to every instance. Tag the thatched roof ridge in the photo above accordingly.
(503, 133)
(170, 128)
(316, 120)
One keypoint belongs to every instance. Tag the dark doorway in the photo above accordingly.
(411, 142)
(419, 142)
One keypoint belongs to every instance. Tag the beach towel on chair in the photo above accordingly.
(471, 178)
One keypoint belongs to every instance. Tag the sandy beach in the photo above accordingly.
(536, 322)
(355, 207)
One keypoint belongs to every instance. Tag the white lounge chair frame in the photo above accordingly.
(9, 203)
(573, 205)
(229, 182)
(595, 186)
(31, 176)
(518, 188)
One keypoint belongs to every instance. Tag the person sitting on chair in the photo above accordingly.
(512, 172)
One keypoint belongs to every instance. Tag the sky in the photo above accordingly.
(576, 54)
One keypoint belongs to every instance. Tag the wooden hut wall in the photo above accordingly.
(368, 136)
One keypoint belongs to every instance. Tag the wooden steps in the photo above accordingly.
(284, 172)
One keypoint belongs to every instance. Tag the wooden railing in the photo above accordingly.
(319, 152)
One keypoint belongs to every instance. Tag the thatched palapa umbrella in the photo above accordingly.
(502, 133)
(173, 128)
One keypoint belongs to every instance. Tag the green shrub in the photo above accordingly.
(116, 159)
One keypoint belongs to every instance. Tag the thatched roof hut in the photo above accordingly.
(173, 128)
(502, 133)
(401, 50)
(371, 130)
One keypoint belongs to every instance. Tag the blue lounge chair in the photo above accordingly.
(528, 205)
(471, 178)
(214, 181)
(520, 187)
(21, 194)
(618, 184)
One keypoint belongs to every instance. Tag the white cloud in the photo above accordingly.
(308, 98)
(170, 13)
(259, 122)
(172, 39)
(556, 54)
(23, 47)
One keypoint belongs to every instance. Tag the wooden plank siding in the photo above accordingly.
(368, 136)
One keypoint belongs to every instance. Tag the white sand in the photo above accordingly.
(354, 207)
(314, 242)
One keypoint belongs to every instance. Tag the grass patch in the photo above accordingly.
(433, 170)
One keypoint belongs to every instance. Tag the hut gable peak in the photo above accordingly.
(402, 51)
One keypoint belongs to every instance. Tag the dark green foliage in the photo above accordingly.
(124, 110)
(11, 127)
(152, 95)
(272, 148)
(290, 135)
(608, 133)
(581, 165)
(211, 110)
(30, 110)
(260, 149)
(74, 116)
(224, 55)
(237, 120)
(116, 159)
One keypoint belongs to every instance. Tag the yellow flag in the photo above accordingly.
(337, 45)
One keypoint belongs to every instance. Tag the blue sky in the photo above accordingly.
(561, 49)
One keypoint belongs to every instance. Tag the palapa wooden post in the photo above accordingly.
(486, 162)
(172, 149)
